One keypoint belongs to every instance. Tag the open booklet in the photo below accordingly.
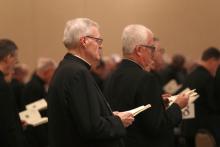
(37, 105)
(140, 109)
(32, 117)
(192, 96)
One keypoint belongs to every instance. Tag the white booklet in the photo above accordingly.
(37, 105)
(140, 109)
(192, 96)
(32, 117)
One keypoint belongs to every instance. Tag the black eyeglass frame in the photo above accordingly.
(151, 47)
(98, 40)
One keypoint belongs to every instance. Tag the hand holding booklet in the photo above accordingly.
(140, 109)
(32, 117)
(192, 96)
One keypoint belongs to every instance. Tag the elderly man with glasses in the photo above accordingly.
(131, 85)
(79, 115)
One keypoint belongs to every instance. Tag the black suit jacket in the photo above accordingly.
(170, 72)
(205, 106)
(34, 90)
(217, 88)
(18, 88)
(11, 133)
(129, 87)
(79, 115)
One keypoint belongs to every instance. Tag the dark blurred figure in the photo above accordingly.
(99, 73)
(158, 62)
(18, 81)
(174, 71)
(191, 65)
(157, 65)
(34, 90)
(104, 68)
(202, 79)
(11, 133)
(112, 63)
(217, 88)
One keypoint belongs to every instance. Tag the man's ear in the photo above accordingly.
(82, 41)
(137, 51)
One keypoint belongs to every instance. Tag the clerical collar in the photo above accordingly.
(134, 62)
(82, 59)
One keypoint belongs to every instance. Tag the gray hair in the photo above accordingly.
(44, 64)
(75, 29)
(133, 35)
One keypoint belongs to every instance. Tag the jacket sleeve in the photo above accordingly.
(157, 119)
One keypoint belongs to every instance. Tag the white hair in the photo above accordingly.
(75, 29)
(133, 35)
(45, 63)
(116, 58)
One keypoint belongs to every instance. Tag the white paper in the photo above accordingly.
(32, 117)
(171, 87)
(192, 96)
(138, 110)
(41, 121)
(37, 105)
(189, 111)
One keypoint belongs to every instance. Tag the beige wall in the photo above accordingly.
(186, 27)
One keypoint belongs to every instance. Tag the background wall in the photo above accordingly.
(186, 27)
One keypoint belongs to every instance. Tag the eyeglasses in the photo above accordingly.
(98, 40)
(151, 47)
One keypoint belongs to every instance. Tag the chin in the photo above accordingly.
(98, 58)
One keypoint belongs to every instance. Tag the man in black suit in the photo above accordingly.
(18, 83)
(175, 70)
(131, 86)
(79, 115)
(202, 79)
(34, 90)
(11, 133)
(217, 88)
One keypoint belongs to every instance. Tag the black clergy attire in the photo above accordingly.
(11, 133)
(170, 72)
(79, 115)
(98, 80)
(18, 88)
(205, 106)
(129, 87)
(35, 90)
(217, 88)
